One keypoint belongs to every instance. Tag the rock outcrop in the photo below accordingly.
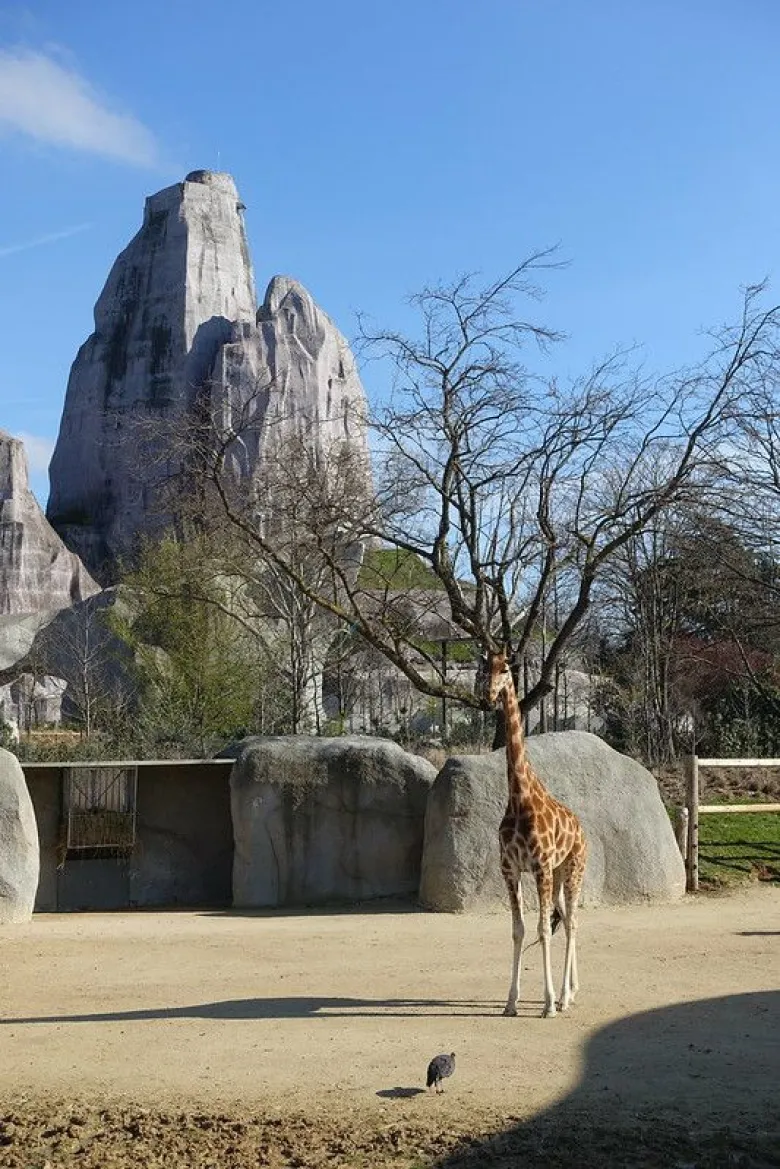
(632, 852)
(324, 820)
(292, 375)
(30, 701)
(170, 301)
(37, 572)
(178, 320)
(19, 853)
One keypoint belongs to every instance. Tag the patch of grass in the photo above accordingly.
(395, 568)
(735, 848)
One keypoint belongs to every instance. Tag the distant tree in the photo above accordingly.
(80, 647)
(199, 681)
(695, 623)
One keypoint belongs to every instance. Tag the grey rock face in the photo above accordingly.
(177, 321)
(37, 572)
(291, 375)
(19, 852)
(321, 820)
(170, 301)
(632, 853)
(17, 638)
(32, 701)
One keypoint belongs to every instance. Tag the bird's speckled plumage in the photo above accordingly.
(439, 1068)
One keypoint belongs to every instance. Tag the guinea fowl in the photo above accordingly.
(439, 1068)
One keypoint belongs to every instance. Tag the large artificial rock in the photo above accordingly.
(176, 327)
(19, 852)
(292, 375)
(322, 820)
(32, 701)
(632, 852)
(169, 302)
(61, 642)
(37, 572)
(17, 638)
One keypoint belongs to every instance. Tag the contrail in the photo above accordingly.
(50, 238)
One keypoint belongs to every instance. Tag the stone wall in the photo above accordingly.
(184, 842)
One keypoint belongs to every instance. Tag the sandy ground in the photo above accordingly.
(328, 1020)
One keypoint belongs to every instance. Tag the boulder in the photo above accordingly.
(62, 641)
(632, 852)
(326, 820)
(19, 853)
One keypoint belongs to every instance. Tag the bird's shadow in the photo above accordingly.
(400, 1093)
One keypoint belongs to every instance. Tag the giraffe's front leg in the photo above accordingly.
(518, 933)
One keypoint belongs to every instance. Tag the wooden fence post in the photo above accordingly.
(681, 829)
(692, 801)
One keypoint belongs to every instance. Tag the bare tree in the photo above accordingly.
(511, 492)
(79, 647)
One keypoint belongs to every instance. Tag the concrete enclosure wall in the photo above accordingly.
(183, 853)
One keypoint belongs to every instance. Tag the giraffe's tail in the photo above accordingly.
(558, 910)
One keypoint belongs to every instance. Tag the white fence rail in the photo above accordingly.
(688, 820)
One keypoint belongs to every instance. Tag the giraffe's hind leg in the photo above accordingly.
(572, 884)
(518, 933)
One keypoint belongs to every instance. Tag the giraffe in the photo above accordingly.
(540, 835)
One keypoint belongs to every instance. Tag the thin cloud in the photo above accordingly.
(39, 451)
(52, 104)
(40, 240)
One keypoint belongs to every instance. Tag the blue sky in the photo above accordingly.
(378, 147)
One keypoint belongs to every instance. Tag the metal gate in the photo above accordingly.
(98, 836)
(99, 806)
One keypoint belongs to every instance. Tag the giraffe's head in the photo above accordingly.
(499, 675)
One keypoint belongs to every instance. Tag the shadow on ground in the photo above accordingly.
(400, 1093)
(292, 1007)
(695, 1084)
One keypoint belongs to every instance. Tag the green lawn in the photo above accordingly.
(735, 848)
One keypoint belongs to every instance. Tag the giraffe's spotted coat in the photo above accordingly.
(540, 835)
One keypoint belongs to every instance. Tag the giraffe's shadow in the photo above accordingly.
(295, 1007)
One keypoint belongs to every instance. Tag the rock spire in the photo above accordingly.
(177, 317)
(37, 572)
(171, 300)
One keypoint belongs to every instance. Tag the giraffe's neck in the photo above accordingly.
(517, 767)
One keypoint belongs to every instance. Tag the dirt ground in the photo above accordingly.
(223, 1039)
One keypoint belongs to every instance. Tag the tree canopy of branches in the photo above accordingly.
(515, 491)
(693, 659)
